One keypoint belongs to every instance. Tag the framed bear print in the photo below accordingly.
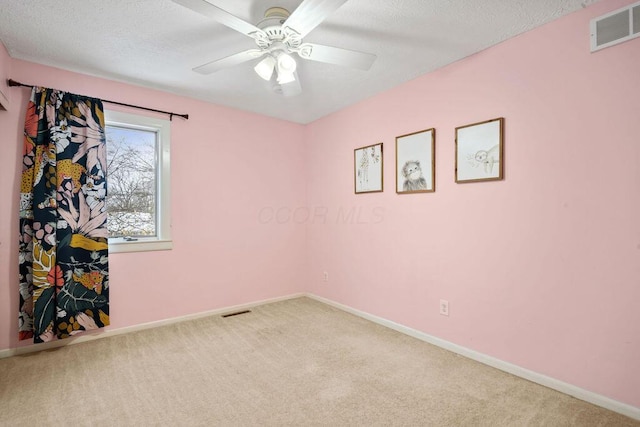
(480, 151)
(368, 168)
(415, 162)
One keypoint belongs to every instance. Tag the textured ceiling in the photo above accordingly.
(156, 43)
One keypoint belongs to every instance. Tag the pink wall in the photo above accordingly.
(226, 166)
(542, 269)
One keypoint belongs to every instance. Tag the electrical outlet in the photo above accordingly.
(444, 307)
(325, 276)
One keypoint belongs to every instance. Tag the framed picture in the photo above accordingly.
(479, 151)
(368, 168)
(415, 162)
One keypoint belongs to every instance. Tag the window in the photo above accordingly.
(137, 182)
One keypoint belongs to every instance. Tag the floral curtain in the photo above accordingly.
(63, 271)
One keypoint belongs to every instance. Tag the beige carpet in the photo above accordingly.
(297, 362)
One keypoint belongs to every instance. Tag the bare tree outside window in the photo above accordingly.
(131, 193)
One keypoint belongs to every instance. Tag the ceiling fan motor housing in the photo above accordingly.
(271, 27)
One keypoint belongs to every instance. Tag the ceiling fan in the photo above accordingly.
(278, 36)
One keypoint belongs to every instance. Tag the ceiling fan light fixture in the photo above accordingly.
(286, 64)
(284, 78)
(265, 67)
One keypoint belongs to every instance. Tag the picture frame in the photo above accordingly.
(480, 151)
(415, 162)
(368, 162)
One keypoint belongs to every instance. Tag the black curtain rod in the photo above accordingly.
(11, 83)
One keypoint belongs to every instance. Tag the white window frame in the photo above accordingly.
(162, 128)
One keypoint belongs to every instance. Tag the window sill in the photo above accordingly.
(141, 246)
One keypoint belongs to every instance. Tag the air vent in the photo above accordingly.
(615, 27)
(237, 313)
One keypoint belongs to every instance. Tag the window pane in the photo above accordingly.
(131, 181)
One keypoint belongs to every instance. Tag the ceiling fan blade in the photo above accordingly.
(222, 16)
(229, 61)
(310, 14)
(336, 55)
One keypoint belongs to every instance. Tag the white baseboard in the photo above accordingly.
(104, 333)
(566, 388)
